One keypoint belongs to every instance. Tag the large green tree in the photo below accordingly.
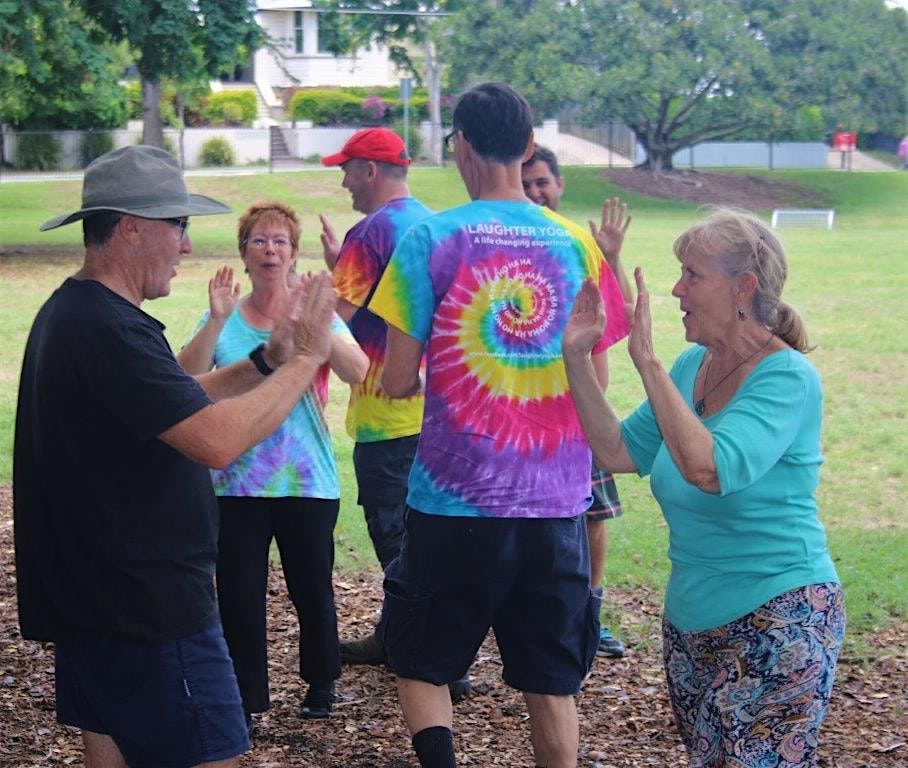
(849, 58)
(178, 39)
(680, 72)
(57, 70)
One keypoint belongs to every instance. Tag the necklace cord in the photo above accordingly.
(700, 405)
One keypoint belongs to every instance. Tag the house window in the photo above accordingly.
(298, 31)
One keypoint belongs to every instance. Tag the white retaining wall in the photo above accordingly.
(252, 146)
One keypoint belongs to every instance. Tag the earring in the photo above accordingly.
(741, 315)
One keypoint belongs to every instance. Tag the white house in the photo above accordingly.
(301, 58)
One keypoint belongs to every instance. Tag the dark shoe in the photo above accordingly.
(317, 704)
(460, 689)
(250, 726)
(609, 645)
(362, 650)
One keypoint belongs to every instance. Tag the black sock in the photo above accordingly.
(435, 747)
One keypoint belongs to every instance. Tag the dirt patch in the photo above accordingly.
(625, 717)
(753, 193)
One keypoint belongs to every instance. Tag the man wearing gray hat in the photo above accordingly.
(115, 517)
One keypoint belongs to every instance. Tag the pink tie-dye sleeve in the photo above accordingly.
(616, 327)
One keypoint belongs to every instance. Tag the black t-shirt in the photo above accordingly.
(114, 530)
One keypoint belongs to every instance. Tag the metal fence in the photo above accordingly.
(611, 141)
(64, 154)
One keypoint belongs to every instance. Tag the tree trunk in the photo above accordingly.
(658, 159)
(152, 126)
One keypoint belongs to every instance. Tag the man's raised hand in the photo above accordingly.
(330, 244)
(312, 308)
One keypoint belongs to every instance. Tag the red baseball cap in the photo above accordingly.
(378, 144)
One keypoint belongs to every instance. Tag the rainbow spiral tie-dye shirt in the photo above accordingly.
(371, 414)
(487, 288)
(297, 459)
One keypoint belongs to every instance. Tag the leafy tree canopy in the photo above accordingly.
(684, 71)
(57, 69)
(178, 39)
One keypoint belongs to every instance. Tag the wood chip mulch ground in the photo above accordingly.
(624, 713)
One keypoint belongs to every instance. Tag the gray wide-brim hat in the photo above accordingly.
(139, 180)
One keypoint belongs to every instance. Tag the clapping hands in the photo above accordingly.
(305, 329)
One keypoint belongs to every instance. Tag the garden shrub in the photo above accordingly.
(217, 151)
(384, 92)
(325, 106)
(38, 151)
(230, 107)
(360, 105)
(374, 110)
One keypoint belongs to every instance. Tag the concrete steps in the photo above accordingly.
(279, 150)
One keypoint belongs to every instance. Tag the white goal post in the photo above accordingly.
(805, 217)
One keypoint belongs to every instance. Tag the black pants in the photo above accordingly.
(304, 531)
(382, 471)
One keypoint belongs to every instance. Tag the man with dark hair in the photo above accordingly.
(494, 531)
(544, 184)
(115, 516)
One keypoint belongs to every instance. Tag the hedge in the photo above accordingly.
(345, 106)
(230, 107)
(324, 106)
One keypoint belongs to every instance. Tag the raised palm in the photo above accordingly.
(586, 323)
(223, 293)
(609, 234)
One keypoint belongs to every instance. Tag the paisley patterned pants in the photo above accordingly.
(753, 693)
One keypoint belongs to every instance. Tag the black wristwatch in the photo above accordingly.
(258, 360)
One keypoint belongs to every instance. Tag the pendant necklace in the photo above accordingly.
(700, 405)
(263, 314)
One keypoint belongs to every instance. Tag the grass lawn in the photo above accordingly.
(849, 284)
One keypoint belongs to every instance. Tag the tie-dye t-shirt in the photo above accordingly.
(488, 288)
(371, 414)
(297, 460)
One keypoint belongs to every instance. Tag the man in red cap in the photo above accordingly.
(385, 430)
(377, 144)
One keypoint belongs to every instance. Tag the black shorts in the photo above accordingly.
(172, 704)
(526, 578)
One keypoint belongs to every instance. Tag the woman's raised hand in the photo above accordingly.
(640, 339)
(223, 293)
(586, 323)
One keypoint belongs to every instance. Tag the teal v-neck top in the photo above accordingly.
(760, 535)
